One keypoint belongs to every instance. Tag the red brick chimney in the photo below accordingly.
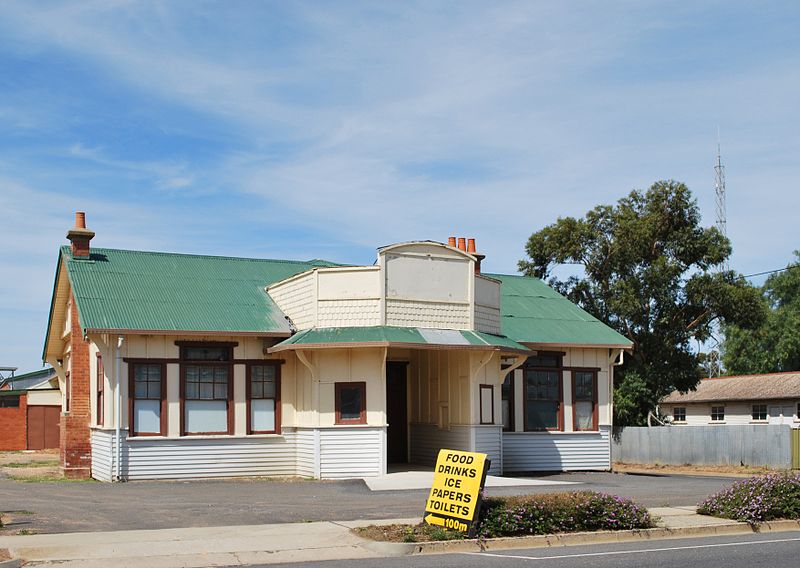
(80, 236)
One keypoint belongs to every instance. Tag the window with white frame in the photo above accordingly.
(147, 401)
(759, 412)
(263, 399)
(717, 413)
(679, 414)
(207, 389)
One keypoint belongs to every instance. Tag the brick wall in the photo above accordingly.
(76, 452)
(13, 426)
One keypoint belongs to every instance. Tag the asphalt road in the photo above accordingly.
(93, 506)
(776, 550)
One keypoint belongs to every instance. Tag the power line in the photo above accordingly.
(772, 271)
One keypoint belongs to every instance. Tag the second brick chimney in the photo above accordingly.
(80, 236)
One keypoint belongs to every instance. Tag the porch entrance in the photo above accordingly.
(396, 413)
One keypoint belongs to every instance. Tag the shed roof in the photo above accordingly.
(384, 336)
(772, 386)
(532, 312)
(35, 380)
(154, 291)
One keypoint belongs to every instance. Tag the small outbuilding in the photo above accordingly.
(772, 398)
(30, 411)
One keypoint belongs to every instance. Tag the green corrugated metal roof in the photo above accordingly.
(384, 335)
(153, 291)
(532, 312)
(122, 289)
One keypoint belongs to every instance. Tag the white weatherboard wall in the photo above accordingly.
(427, 286)
(296, 297)
(413, 285)
(487, 304)
(556, 451)
(325, 453)
(102, 442)
(736, 413)
(348, 297)
(488, 439)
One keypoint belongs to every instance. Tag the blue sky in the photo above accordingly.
(326, 129)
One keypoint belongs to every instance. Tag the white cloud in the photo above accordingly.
(344, 113)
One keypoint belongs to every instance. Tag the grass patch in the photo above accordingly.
(757, 499)
(531, 515)
(47, 479)
(49, 463)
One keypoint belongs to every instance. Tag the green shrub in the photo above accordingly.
(757, 499)
(560, 512)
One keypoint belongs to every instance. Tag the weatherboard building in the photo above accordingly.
(182, 366)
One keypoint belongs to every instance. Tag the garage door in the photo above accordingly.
(43, 427)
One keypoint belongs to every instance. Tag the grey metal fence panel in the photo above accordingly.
(760, 445)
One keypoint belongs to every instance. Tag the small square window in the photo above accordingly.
(717, 413)
(759, 412)
(351, 401)
(679, 414)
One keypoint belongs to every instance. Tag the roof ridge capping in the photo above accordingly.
(752, 375)
(315, 261)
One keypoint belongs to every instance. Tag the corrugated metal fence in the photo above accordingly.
(760, 445)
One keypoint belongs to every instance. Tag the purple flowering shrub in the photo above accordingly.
(560, 512)
(757, 499)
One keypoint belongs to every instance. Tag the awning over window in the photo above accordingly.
(389, 336)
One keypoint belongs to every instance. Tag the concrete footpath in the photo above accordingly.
(302, 542)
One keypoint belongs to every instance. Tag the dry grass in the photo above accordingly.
(689, 469)
(407, 533)
(39, 465)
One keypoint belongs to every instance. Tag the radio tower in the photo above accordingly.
(719, 190)
(715, 362)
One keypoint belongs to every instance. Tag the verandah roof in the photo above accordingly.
(386, 336)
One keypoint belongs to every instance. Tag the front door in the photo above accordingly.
(396, 413)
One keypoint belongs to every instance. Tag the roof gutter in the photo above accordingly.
(426, 346)
(193, 332)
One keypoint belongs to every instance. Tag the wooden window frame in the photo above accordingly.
(184, 362)
(101, 392)
(67, 392)
(676, 408)
(511, 378)
(595, 404)
(481, 389)
(362, 419)
(277, 366)
(560, 373)
(131, 398)
(717, 420)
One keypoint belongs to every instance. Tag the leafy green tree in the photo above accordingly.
(773, 346)
(647, 272)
